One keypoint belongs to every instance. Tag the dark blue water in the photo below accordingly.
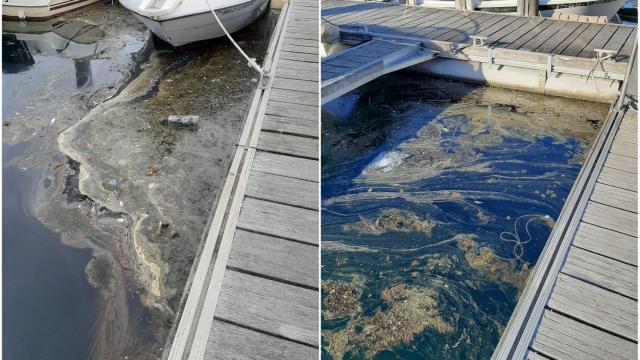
(440, 191)
(49, 308)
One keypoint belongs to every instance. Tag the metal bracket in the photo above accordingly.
(490, 57)
(478, 40)
(549, 65)
(603, 54)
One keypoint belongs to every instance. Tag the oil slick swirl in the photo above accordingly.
(437, 199)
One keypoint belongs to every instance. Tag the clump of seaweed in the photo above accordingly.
(410, 310)
(392, 220)
(492, 267)
(341, 299)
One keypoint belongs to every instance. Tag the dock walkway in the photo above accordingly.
(592, 312)
(254, 290)
(581, 299)
(544, 55)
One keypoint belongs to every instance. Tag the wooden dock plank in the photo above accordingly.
(570, 39)
(513, 31)
(294, 97)
(297, 74)
(275, 258)
(545, 35)
(579, 44)
(531, 34)
(624, 148)
(281, 220)
(288, 144)
(560, 337)
(551, 42)
(625, 52)
(295, 85)
(602, 271)
(277, 108)
(622, 162)
(595, 306)
(229, 342)
(270, 306)
(615, 197)
(284, 190)
(618, 178)
(288, 125)
(618, 39)
(611, 218)
(607, 243)
(286, 166)
(598, 41)
(496, 22)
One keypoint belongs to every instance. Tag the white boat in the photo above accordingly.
(39, 9)
(180, 22)
(607, 8)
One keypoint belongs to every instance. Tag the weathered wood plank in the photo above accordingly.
(624, 148)
(298, 74)
(276, 308)
(295, 85)
(622, 162)
(229, 342)
(625, 52)
(595, 306)
(275, 258)
(288, 55)
(550, 43)
(598, 41)
(582, 40)
(611, 218)
(618, 39)
(552, 31)
(569, 40)
(560, 337)
(294, 97)
(599, 270)
(279, 220)
(616, 197)
(288, 144)
(538, 30)
(619, 178)
(286, 166)
(287, 125)
(283, 190)
(309, 112)
(608, 243)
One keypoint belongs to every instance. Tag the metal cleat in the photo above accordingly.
(602, 54)
(478, 40)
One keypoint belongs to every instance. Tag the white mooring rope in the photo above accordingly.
(251, 62)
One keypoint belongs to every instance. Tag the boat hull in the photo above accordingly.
(16, 9)
(197, 27)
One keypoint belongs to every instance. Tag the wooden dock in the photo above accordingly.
(253, 293)
(581, 299)
(552, 51)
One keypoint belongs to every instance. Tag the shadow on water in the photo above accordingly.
(437, 199)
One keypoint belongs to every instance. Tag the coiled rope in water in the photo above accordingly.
(251, 62)
(514, 237)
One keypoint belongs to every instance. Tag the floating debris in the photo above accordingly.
(185, 120)
(152, 170)
(342, 299)
(410, 310)
(392, 220)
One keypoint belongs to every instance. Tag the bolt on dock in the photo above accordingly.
(254, 290)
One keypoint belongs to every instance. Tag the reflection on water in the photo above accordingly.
(50, 310)
(437, 199)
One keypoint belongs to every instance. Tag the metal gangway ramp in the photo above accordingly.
(352, 68)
